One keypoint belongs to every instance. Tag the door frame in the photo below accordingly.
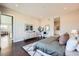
(12, 22)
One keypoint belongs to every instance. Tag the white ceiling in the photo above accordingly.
(40, 10)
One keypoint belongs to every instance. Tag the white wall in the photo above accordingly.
(19, 22)
(18, 30)
(50, 22)
(69, 22)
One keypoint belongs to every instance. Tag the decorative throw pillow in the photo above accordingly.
(63, 39)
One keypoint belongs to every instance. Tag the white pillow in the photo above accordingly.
(71, 44)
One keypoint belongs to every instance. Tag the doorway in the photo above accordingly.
(6, 33)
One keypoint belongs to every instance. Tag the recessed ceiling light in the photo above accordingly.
(16, 5)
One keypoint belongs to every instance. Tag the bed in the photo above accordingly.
(50, 46)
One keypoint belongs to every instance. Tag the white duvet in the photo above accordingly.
(71, 46)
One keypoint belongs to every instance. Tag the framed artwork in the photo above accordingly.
(28, 27)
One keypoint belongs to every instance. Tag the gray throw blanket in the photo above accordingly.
(50, 46)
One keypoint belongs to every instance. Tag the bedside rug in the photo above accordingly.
(29, 48)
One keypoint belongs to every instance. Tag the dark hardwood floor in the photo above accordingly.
(17, 50)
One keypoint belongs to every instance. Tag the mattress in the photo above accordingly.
(50, 46)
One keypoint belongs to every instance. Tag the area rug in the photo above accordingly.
(29, 48)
